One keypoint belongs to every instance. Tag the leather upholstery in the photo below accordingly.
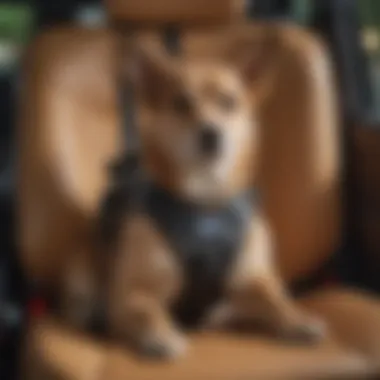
(354, 318)
(178, 12)
(70, 130)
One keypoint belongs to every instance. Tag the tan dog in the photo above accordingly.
(200, 142)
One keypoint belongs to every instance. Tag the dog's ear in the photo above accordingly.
(152, 73)
(256, 58)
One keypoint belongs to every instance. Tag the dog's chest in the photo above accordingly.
(205, 242)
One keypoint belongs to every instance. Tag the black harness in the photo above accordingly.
(204, 240)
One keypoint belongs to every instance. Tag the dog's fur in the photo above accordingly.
(176, 98)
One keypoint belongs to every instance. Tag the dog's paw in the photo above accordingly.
(164, 346)
(308, 330)
(221, 316)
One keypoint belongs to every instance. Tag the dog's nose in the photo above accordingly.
(209, 140)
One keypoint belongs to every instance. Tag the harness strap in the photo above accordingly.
(127, 172)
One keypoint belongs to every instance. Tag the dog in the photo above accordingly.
(196, 249)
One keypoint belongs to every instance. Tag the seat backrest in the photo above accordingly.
(70, 129)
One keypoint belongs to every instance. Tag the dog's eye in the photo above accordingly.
(182, 104)
(227, 101)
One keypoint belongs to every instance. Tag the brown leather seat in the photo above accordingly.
(69, 131)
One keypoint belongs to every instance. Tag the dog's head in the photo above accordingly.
(199, 119)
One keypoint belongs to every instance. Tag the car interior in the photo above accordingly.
(62, 124)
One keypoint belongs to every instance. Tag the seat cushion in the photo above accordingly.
(351, 351)
(354, 317)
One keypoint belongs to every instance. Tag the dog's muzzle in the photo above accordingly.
(209, 141)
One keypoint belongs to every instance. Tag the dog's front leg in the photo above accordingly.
(79, 292)
(255, 293)
(148, 325)
(144, 281)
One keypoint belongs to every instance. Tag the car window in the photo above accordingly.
(301, 11)
(16, 24)
(369, 11)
